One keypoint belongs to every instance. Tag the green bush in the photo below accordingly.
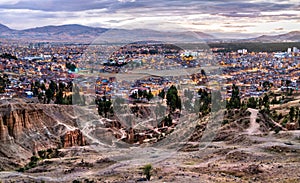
(225, 121)
(147, 171)
(34, 159)
(284, 122)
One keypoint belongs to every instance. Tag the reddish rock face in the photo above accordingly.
(27, 128)
(291, 126)
(73, 138)
(14, 123)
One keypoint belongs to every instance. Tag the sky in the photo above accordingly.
(231, 18)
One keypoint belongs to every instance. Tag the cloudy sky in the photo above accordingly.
(218, 17)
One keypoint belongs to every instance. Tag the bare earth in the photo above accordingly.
(251, 156)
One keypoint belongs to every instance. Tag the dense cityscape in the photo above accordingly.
(23, 66)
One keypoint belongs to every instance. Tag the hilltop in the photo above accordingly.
(245, 148)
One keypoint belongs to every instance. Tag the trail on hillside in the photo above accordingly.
(254, 126)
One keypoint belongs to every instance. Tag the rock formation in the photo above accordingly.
(28, 128)
(73, 138)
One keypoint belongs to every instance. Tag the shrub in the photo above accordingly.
(284, 122)
(277, 130)
(34, 159)
(147, 171)
(225, 121)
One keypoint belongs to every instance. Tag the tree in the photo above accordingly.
(71, 66)
(173, 100)
(149, 95)
(203, 72)
(140, 93)
(292, 113)
(8, 56)
(40, 97)
(266, 100)
(61, 86)
(162, 94)
(166, 121)
(70, 86)
(59, 98)
(204, 102)
(266, 85)
(252, 103)
(49, 95)
(235, 100)
(35, 91)
(53, 86)
(3, 83)
(43, 87)
(105, 108)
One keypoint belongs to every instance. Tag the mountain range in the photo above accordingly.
(288, 37)
(86, 34)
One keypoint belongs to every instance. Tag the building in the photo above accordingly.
(295, 50)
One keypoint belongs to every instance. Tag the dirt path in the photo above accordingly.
(254, 126)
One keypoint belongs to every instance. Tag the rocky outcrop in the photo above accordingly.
(291, 126)
(14, 123)
(73, 138)
(26, 129)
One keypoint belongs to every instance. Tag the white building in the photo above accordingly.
(295, 50)
(279, 55)
(243, 51)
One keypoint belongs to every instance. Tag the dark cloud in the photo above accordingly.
(237, 14)
(238, 26)
(60, 5)
(114, 13)
(214, 6)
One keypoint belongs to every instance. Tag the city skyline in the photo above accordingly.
(219, 18)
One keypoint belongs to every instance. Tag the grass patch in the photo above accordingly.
(34, 160)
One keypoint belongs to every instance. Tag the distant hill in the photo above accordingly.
(72, 29)
(66, 33)
(80, 33)
(138, 35)
(293, 36)
(86, 34)
(4, 28)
